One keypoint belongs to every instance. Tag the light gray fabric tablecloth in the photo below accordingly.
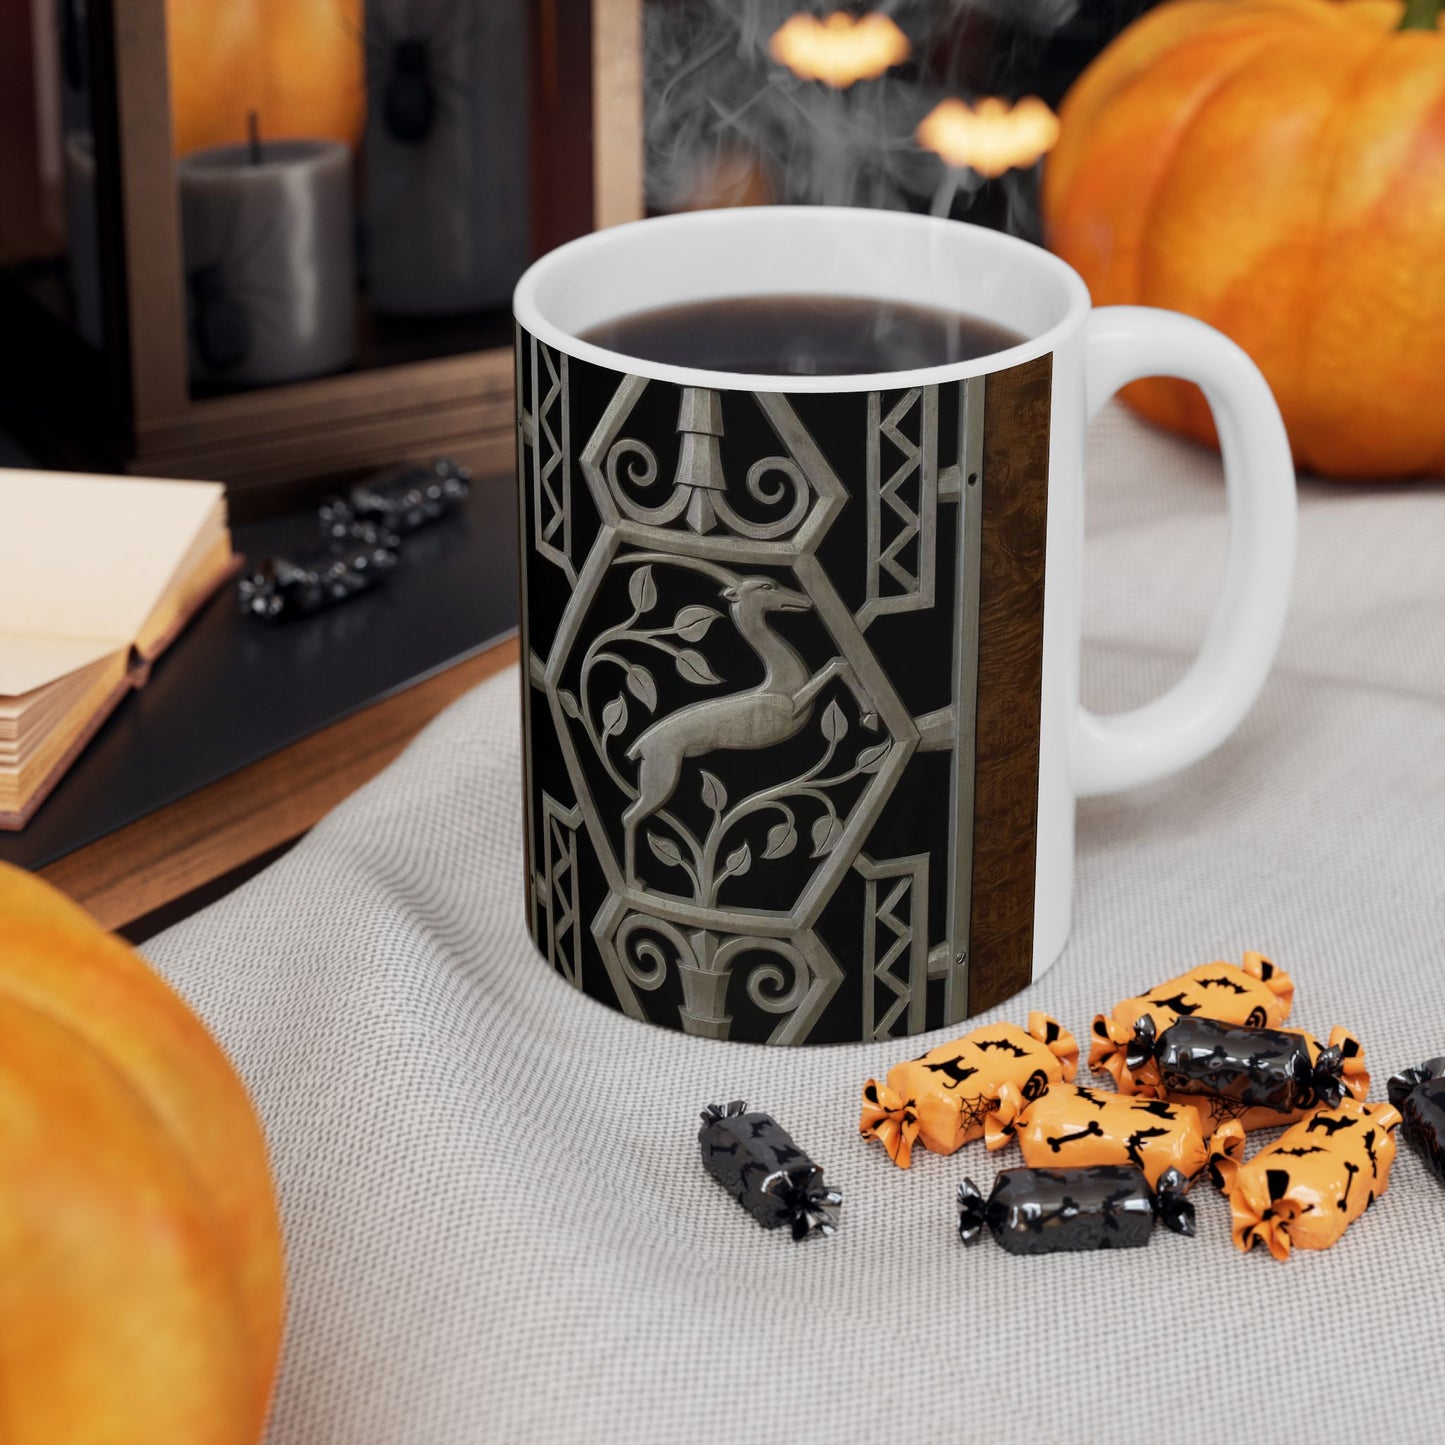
(498, 1226)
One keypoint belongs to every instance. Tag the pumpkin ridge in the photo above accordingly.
(1117, 68)
(194, 1197)
(1248, 37)
(1411, 455)
(1332, 142)
(262, 1366)
(1170, 401)
(59, 963)
(1291, 201)
(1436, 464)
(1206, 99)
(168, 1010)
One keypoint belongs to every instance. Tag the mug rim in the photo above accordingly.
(528, 311)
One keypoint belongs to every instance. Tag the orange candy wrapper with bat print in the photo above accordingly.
(1305, 1190)
(941, 1099)
(1067, 1126)
(1257, 994)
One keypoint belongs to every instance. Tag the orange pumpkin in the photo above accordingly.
(1277, 169)
(299, 64)
(140, 1252)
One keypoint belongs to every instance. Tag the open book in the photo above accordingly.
(97, 575)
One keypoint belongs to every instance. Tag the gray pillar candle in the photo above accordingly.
(270, 274)
(446, 210)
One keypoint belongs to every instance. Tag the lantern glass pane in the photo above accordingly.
(355, 181)
(50, 250)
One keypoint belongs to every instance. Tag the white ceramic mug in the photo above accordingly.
(727, 578)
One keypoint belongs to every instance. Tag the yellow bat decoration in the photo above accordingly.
(839, 49)
(991, 137)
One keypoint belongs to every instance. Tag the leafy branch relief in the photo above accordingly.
(689, 625)
(782, 706)
(718, 863)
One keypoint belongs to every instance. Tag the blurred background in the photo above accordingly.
(273, 242)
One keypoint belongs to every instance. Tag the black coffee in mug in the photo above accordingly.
(802, 335)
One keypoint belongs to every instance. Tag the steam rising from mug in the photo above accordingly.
(727, 124)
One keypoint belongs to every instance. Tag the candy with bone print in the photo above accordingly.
(1258, 1077)
(941, 1099)
(1076, 1126)
(1256, 993)
(1099, 1206)
(1304, 1190)
(755, 1159)
(1419, 1095)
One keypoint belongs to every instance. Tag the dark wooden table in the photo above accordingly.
(246, 734)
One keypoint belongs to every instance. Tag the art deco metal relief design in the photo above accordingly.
(750, 629)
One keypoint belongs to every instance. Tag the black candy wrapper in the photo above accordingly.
(755, 1159)
(401, 499)
(1254, 1068)
(1419, 1095)
(1095, 1206)
(314, 578)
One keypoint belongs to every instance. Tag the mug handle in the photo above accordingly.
(1122, 750)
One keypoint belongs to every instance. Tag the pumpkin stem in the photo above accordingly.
(1420, 15)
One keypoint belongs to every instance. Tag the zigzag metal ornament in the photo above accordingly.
(546, 443)
(914, 522)
(556, 917)
(895, 943)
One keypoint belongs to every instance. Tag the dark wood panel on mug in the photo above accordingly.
(1010, 656)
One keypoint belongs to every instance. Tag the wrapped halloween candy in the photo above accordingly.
(1096, 1206)
(1419, 1095)
(401, 498)
(1256, 993)
(312, 578)
(1258, 1077)
(1304, 1190)
(942, 1098)
(754, 1158)
(1071, 1126)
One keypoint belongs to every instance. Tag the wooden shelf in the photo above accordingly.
(461, 405)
